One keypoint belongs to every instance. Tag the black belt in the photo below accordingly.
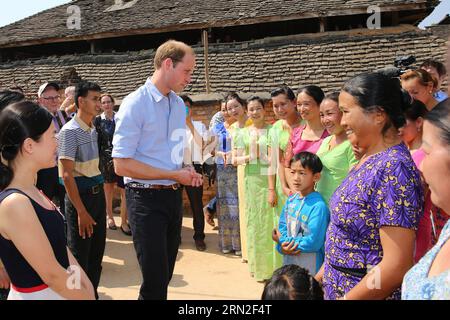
(91, 190)
(136, 185)
(356, 272)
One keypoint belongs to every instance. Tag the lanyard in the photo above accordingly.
(293, 222)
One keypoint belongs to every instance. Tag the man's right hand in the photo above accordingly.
(85, 224)
(188, 177)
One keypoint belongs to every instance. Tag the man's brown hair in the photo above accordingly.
(175, 50)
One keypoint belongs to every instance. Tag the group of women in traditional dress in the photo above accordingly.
(368, 137)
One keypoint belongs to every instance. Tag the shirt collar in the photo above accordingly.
(83, 125)
(103, 116)
(155, 93)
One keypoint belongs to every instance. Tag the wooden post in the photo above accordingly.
(323, 24)
(93, 47)
(205, 50)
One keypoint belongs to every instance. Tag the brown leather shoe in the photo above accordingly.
(200, 245)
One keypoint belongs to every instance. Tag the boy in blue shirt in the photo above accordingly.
(304, 220)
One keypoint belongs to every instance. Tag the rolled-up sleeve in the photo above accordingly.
(128, 129)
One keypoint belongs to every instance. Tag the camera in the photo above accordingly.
(401, 65)
(404, 62)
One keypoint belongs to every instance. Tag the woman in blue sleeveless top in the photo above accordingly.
(32, 239)
(429, 279)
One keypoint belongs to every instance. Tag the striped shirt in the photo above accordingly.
(79, 143)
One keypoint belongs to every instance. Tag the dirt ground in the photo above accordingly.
(208, 275)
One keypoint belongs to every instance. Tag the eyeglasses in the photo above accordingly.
(55, 98)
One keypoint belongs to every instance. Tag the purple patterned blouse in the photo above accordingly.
(385, 191)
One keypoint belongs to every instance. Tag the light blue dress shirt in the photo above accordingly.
(440, 96)
(151, 128)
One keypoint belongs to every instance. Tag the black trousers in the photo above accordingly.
(195, 196)
(48, 183)
(155, 221)
(88, 252)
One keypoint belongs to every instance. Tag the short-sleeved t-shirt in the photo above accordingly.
(79, 143)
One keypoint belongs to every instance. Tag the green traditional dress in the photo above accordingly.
(235, 132)
(337, 162)
(278, 140)
(259, 214)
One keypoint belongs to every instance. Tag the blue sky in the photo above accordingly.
(15, 10)
(12, 11)
(440, 11)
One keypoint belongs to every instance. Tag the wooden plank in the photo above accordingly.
(223, 23)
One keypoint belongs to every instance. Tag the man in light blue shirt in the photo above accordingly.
(439, 72)
(148, 147)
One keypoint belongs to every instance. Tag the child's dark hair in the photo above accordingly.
(309, 161)
(292, 282)
(18, 122)
(83, 88)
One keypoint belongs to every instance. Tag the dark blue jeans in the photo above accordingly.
(88, 252)
(155, 219)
